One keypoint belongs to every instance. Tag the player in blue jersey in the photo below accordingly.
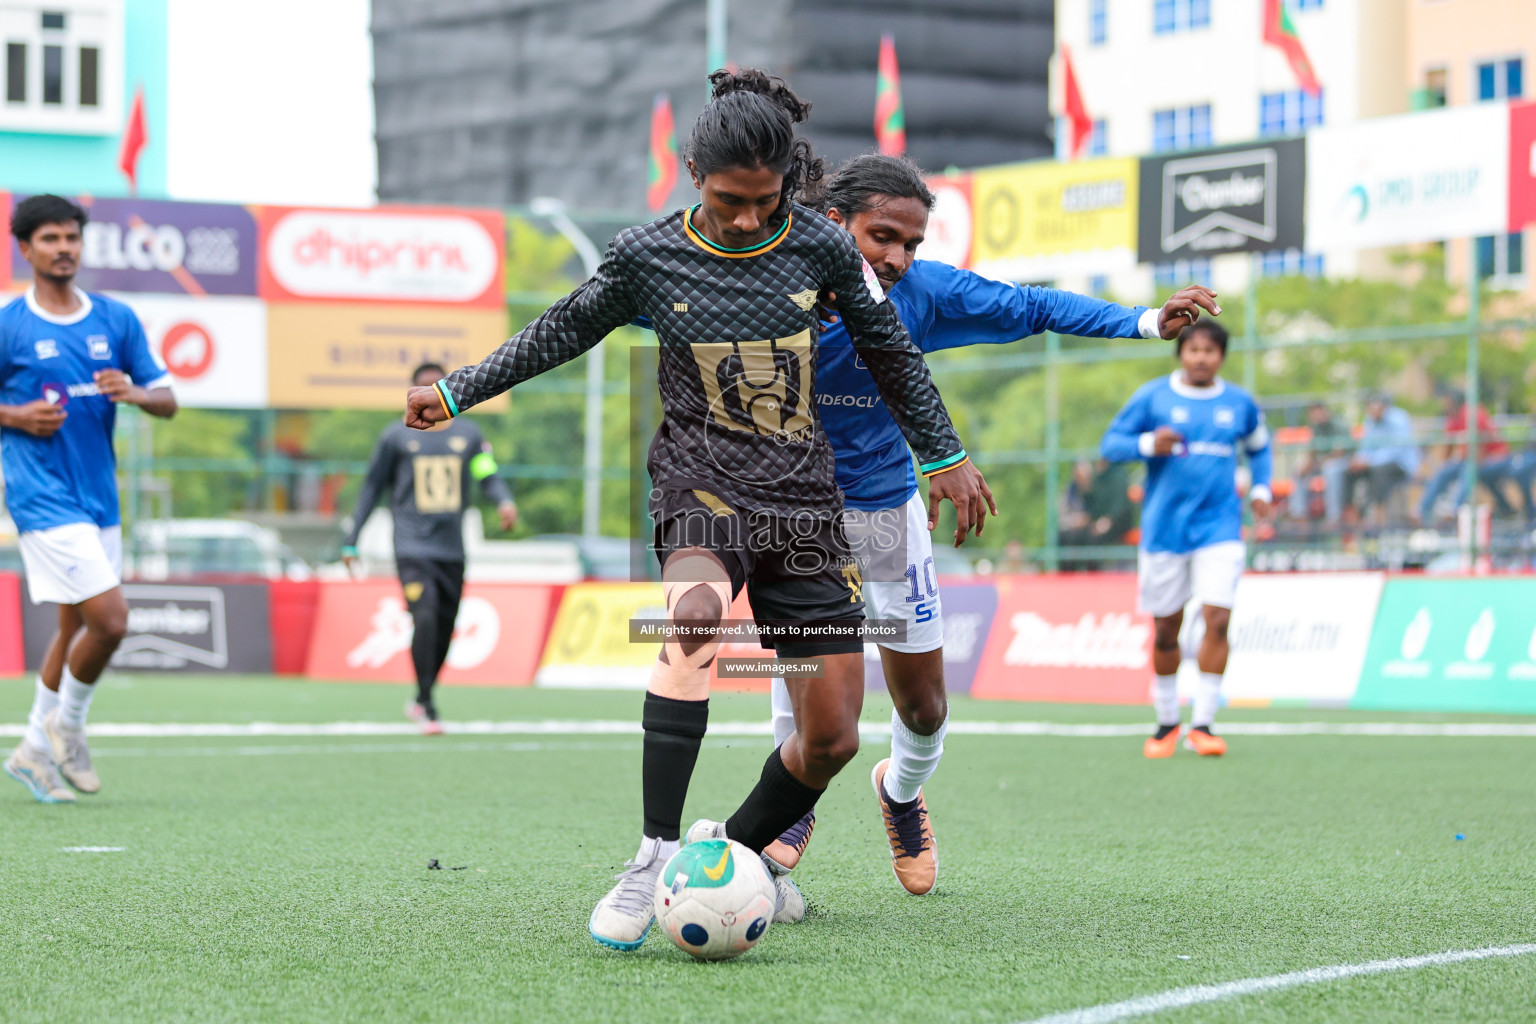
(67, 360)
(1190, 427)
(884, 203)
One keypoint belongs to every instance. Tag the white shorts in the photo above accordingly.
(73, 563)
(895, 553)
(1168, 581)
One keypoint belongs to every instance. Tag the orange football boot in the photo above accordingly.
(914, 854)
(1164, 747)
(785, 852)
(1200, 740)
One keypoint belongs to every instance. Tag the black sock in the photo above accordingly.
(1163, 730)
(896, 806)
(1202, 728)
(775, 803)
(674, 729)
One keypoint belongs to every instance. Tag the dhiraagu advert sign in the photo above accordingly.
(1452, 645)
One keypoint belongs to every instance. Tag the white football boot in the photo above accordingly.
(622, 918)
(34, 768)
(71, 753)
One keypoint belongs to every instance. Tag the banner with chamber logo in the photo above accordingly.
(1414, 178)
(149, 245)
(1245, 198)
(1452, 645)
(1039, 220)
(176, 627)
(363, 632)
(214, 347)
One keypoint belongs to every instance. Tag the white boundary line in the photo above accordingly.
(596, 727)
(1196, 994)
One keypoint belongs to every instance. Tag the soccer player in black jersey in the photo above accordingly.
(427, 478)
(744, 492)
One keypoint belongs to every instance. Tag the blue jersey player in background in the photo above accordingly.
(67, 360)
(1190, 428)
(884, 203)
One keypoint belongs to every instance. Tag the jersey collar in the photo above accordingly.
(715, 249)
(1183, 390)
(53, 318)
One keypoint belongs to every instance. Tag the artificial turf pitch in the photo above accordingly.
(286, 879)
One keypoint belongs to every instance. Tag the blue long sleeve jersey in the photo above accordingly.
(1191, 496)
(942, 307)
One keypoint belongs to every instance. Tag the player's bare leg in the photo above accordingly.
(103, 624)
(1213, 665)
(698, 593)
(1165, 685)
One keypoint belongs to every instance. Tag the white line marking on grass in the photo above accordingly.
(94, 849)
(1196, 994)
(426, 747)
(597, 727)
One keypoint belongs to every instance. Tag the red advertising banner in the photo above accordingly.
(414, 255)
(1071, 639)
(950, 228)
(10, 625)
(363, 633)
(1522, 165)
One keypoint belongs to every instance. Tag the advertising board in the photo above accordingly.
(1038, 220)
(589, 644)
(1522, 165)
(1232, 199)
(215, 347)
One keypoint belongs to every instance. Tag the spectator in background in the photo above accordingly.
(1096, 508)
(1320, 484)
(1493, 461)
(1387, 459)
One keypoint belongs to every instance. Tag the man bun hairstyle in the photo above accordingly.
(1210, 328)
(35, 211)
(750, 121)
(865, 182)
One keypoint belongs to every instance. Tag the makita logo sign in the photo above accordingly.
(366, 255)
(1113, 640)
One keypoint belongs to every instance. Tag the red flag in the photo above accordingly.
(1279, 32)
(1077, 113)
(890, 116)
(663, 169)
(135, 138)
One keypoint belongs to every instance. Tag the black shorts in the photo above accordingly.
(798, 571)
(431, 585)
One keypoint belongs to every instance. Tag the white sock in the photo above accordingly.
(914, 759)
(44, 700)
(1207, 699)
(74, 700)
(1165, 698)
(652, 848)
(783, 713)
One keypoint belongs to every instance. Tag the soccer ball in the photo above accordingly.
(714, 899)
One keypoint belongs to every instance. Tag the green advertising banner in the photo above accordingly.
(1452, 645)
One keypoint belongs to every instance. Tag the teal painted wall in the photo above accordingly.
(75, 164)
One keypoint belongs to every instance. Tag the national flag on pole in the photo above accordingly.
(1279, 32)
(135, 138)
(1076, 111)
(663, 171)
(890, 118)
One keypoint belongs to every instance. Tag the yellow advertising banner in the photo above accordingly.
(1030, 215)
(589, 645)
(360, 356)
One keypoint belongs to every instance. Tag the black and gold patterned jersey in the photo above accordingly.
(737, 332)
(427, 476)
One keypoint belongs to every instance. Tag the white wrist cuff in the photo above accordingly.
(1145, 444)
(1260, 492)
(1147, 325)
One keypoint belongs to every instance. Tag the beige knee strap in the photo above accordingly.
(675, 591)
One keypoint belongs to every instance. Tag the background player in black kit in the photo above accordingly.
(427, 479)
(744, 492)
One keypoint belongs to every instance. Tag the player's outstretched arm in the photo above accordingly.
(1261, 465)
(1132, 434)
(570, 327)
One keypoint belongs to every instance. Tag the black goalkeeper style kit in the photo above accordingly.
(740, 464)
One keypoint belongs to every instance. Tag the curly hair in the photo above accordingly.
(749, 122)
(866, 181)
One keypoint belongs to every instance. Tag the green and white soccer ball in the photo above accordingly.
(714, 899)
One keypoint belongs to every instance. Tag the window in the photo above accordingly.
(1289, 113)
(1181, 128)
(1500, 80)
(1098, 139)
(16, 72)
(1180, 273)
(1098, 22)
(1291, 263)
(63, 64)
(1501, 258)
(1175, 15)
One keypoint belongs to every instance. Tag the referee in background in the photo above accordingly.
(426, 476)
